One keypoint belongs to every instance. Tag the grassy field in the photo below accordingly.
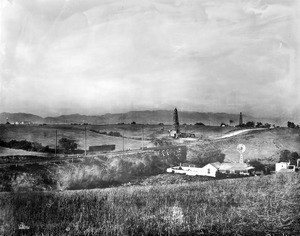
(263, 145)
(267, 205)
(46, 135)
(8, 152)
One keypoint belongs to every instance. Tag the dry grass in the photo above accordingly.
(264, 145)
(267, 205)
(10, 152)
(46, 135)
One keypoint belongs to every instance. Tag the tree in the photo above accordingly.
(250, 124)
(291, 124)
(259, 125)
(68, 145)
(199, 123)
(287, 156)
(257, 165)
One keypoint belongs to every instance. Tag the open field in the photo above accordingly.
(8, 152)
(133, 133)
(264, 144)
(267, 205)
(46, 135)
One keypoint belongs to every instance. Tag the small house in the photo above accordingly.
(286, 166)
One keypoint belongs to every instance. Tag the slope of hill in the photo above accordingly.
(19, 117)
(263, 145)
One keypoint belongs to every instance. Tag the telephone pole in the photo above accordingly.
(143, 138)
(123, 143)
(84, 140)
(56, 143)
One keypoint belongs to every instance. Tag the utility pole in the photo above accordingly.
(56, 143)
(143, 138)
(123, 143)
(85, 140)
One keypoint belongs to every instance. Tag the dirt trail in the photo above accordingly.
(237, 132)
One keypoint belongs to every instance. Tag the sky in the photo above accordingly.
(98, 56)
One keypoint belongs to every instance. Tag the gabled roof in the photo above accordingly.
(235, 166)
(216, 164)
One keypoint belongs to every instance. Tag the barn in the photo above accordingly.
(102, 148)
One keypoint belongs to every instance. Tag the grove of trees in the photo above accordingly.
(288, 156)
(67, 145)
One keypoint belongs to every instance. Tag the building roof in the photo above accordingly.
(216, 164)
(235, 166)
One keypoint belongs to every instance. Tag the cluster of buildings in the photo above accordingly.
(18, 122)
(212, 169)
(287, 167)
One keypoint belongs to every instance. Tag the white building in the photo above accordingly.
(286, 166)
(236, 168)
(207, 170)
(211, 169)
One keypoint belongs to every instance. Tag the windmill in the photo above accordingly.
(241, 148)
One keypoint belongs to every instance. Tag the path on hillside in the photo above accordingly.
(237, 132)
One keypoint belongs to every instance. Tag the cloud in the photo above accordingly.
(110, 56)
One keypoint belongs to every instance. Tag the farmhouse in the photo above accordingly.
(211, 169)
(207, 170)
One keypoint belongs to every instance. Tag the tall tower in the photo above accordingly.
(241, 119)
(176, 121)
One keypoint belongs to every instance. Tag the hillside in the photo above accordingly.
(264, 145)
(142, 117)
(19, 117)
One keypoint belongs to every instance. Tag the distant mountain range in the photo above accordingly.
(142, 117)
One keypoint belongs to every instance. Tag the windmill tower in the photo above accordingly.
(241, 148)
(176, 121)
(241, 119)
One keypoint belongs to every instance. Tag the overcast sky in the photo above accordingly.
(99, 56)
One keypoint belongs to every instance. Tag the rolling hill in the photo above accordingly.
(263, 145)
(25, 117)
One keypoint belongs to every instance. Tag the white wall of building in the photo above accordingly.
(281, 165)
(208, 170)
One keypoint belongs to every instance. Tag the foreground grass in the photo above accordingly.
(250, 206)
